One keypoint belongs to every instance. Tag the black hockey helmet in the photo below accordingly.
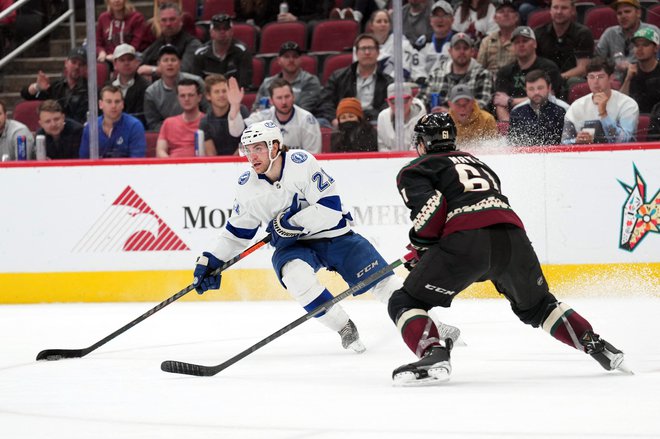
(437, 131)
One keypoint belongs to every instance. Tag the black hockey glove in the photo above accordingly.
(418, 246)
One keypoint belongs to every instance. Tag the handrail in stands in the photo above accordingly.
(69, 13)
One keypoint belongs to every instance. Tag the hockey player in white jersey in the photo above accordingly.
(298, 200)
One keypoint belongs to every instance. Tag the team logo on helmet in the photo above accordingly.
(270, 124)
(245, 176)
(298, 157)
(639, 217)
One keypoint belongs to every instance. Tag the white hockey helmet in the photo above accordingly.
(265, 131)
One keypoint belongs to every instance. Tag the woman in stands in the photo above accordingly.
(119, 24)
(476, 18)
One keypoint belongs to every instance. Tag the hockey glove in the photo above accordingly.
(203, 280)
(282, 231)
(418, 246)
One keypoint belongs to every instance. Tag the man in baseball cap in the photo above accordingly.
(616, 42)
(223, 54)
(510, 86)
(643, 76)
(131, 84)
(496, 50)
(306, 86)
(472, 123)
(442, 20)
(70, 91)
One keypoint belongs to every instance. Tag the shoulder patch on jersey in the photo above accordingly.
(298, 157)
(245, 176)
(311, 119)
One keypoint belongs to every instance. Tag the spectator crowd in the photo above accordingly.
(534, 72)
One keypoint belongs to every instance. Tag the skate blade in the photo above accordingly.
(408, 379)
(460, 342)
(357, 346)
(623, 368)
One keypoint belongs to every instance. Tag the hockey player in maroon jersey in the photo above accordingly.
(465, 231)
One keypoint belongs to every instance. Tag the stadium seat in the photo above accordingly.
(246, 34)
(274, 34)
(643, 127)
(307, 62)
(599, 18)
(102, 74)
(248, 100)
(258, 72)
(582, 7)
(653, 15)
(335, 62)
(212, 7)
(26, 113)
(538, 18)
(190, 8)
(152, 139)
(577, 91)
(334, 35)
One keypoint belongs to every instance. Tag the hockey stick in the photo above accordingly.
(58, 354)
(199, 370)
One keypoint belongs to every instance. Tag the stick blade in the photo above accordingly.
(187, 368)
(59, 354)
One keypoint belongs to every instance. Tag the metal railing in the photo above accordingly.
(69, 13)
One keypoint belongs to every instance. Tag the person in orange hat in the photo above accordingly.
(355, 133)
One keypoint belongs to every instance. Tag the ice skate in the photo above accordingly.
(607, 355)
(448, 331)
(350, 338)
(433, 368)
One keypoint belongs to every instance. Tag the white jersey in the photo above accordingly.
(429, 56)
(259, 200)
(301, 131)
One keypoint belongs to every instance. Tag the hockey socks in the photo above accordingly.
(418, 331)
(566, 325)
(569, 327)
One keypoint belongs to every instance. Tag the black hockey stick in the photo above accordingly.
(58, 354)
(199, 370)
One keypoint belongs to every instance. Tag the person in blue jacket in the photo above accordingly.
(120, 134)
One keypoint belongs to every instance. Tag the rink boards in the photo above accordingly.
(119, 230)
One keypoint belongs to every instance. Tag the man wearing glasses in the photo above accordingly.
(360, 80)
(604, 115)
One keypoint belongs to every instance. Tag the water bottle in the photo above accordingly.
(284, 8)
(21, 148)
(435, 99)
(618, 59)
(41, 147)
(199, 143)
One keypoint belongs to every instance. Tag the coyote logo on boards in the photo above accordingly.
(129, 224)
(639, 217)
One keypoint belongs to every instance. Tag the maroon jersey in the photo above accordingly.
(448, 192)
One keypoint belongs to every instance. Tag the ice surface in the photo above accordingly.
(511, 381)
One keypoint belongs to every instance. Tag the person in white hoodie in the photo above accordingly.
(413, 109)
